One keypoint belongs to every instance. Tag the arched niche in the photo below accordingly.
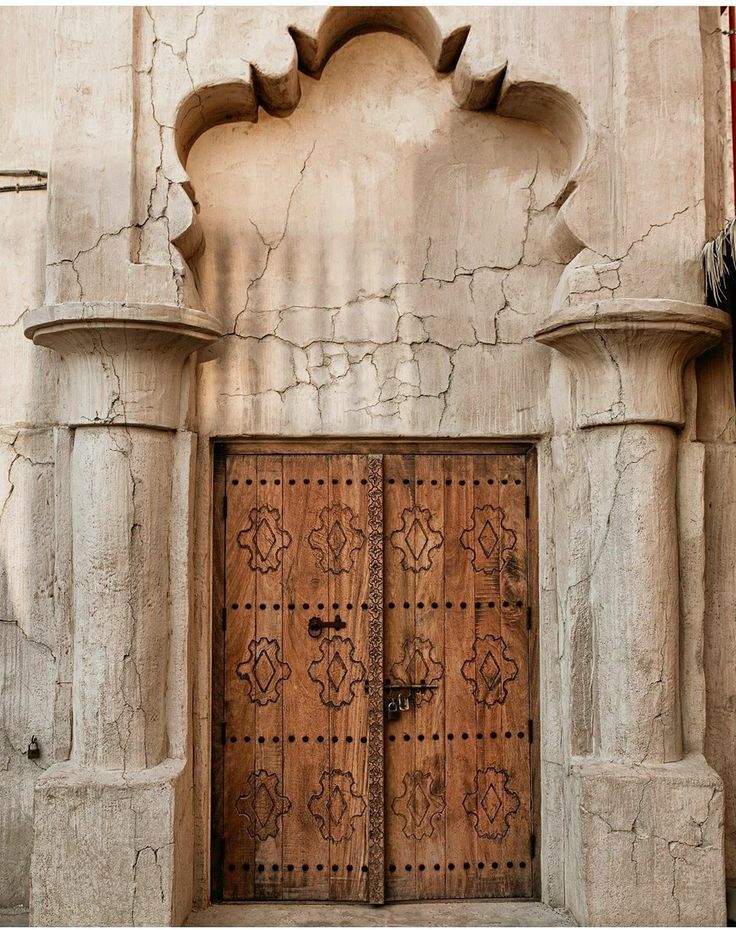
(438, 32)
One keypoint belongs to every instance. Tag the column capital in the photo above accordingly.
(628, 356)
(123, 362)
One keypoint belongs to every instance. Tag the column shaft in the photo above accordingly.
(121, 498)
(634, 592)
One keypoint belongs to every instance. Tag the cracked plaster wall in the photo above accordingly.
(34, 678)
(396, 260)
(401, 254)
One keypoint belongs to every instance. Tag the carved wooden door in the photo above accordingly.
(352, 581)
(458, 762)
(303, 544)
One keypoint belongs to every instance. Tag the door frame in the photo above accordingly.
(366, 446)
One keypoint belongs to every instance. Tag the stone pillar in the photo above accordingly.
(109, 846)
(645, 836)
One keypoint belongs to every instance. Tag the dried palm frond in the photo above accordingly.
(719, 267)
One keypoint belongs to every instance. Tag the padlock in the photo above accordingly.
(33, 751)
(403, 702)
(392, 710)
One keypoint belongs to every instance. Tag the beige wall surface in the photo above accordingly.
(378, 235)
(31, 649)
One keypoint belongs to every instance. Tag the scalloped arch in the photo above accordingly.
(440, 35)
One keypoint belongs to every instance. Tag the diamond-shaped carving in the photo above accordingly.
(263, 670)
(487, 538)
(337, 805)
(264, 539)
(481, 540)
(418, 665)
(337, 538)
(416, 539)
(496, 669)
(419, 805)
(490, 672)
(262, 804)
(492, 803)
(338, 673)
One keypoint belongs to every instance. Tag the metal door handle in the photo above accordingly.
(317, 625)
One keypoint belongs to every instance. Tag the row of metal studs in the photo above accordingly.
(290, 867)
(451, 866)
(448, 481)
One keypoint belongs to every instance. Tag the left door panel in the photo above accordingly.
(295, 792)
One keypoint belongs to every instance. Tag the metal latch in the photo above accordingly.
(317, 625)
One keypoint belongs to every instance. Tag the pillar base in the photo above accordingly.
(110, 847)
(646, 844)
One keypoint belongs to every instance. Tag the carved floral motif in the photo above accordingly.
(337, 538)
(262, 804)
(489, 540)
(419, 805)
(264, 539)
(491, 804)
(263, 670)
(416, 539)
(336, 805)
(337, 672)
(418, 665)
(489, 670)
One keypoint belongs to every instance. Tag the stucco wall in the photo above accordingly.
(30, 645)
(380, 260)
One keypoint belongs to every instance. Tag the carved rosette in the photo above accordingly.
(489, 670)
(491, 804)
(418, 665)
(416, 539)
(337, 538)
(262, 804)
(337, 672)
(263, 671)
(489, 540)
(264, 539)
(419, 805)
(337, 805)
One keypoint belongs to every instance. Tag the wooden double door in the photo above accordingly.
(371, 678)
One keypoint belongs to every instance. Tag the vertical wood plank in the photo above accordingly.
(427, 801)
(501, 668)
(347, 676)
(461, 842)
(305, 493)
(239, 748)
(270, 542)
(399, 600)
(516, 708)
(219, 619)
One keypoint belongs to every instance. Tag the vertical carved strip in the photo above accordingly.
(375, 672)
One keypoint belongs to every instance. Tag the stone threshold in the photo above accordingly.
(507, 913)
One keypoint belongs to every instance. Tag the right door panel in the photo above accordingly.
(458, 760)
